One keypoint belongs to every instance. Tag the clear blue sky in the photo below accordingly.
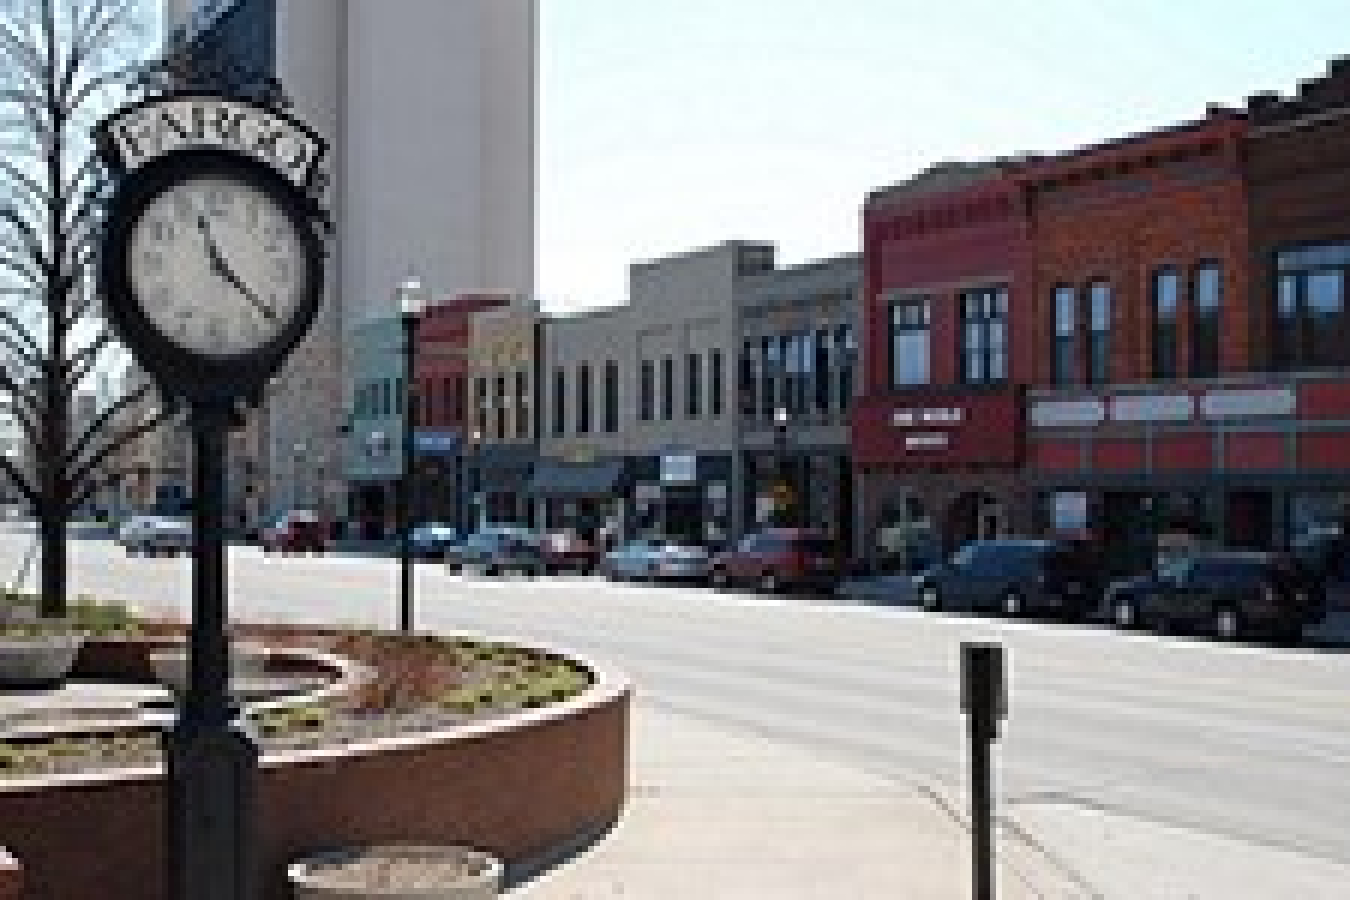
(672, 124)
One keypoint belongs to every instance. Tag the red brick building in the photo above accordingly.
(937, 433)
(443, 432)
(1189, 293)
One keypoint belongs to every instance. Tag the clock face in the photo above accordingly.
(217, 266)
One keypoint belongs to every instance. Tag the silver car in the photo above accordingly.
(153, 535)
(648, 559)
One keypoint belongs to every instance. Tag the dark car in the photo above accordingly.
(498, 550)
(298, 531)
(779, 559)
(1228, 594)
(1014, 577)
(565, 551)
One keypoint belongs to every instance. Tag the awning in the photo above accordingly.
(554, 478)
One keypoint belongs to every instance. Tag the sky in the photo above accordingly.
(666, 125)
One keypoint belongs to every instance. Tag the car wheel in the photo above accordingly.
(930, 599)
(1013, 604)
(719, 580)
(1227, 623)
(769, 583)
(1124, 613)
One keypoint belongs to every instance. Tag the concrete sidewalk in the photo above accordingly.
(716, 814)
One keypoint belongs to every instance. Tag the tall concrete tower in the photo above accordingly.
(430, 110)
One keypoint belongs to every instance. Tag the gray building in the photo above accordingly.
(654, 448)
(372, 458)
(797, 375)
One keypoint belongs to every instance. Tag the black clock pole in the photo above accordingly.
(212, 761)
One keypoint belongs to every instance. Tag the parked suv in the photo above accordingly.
(497, 550)
(778, 559)
(1228, 594)
(1014, 577)
(297, 531)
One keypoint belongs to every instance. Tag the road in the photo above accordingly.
(1239, 748)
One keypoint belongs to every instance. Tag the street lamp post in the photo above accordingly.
(411, 304)
(780, 435)
(297, 457)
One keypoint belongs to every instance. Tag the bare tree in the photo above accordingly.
(65, 63)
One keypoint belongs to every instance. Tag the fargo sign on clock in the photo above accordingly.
(212, 257)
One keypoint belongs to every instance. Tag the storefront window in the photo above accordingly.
(768, 372)
(522, 404)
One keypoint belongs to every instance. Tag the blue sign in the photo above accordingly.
(436, 442)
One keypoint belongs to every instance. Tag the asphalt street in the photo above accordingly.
(1222, 756)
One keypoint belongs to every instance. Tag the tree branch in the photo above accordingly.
(26, 56)
(20, 329)
(33, 189)
(84, 440)
(85, 359)
(33, 243)
(85, 471)
(85, 46)
(8, 469)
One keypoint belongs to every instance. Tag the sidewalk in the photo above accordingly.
(716, 814)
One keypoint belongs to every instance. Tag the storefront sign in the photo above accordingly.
(940, 415)
(1153, 408)
(1242, 404)
(927, 440)
(679, 468)
(1067, 413)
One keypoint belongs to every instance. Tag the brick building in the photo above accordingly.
(937, 432)
(442, 390)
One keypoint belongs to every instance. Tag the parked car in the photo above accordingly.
(496, 550)
(779, 558)
(566, 551)
(1325, 552)
(1013, 576)
(650, 559)
(153, 535)
(296, 531)
(1228, 594)
(431, 539)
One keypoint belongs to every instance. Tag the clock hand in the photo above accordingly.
(222, 268)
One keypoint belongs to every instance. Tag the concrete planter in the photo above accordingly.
(39, 659)
(247, 662)
(397, 872)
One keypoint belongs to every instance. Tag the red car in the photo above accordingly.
(298, 531)
(780, 559)
(564, 551)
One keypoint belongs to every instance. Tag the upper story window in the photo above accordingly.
(984, 336)
(748, 380)
(768, 376)
(584, 399)
(1166, 300)
(1206, 315)
(399, 395)
(715, 383)
(1311, 322)
(499, 405)
(611, 423)
(1099, 332)
(522, 403)
(846, 345)
(480, 405)
(667, 388)
(559, 401)
(821, 390)
(647, 391)
(1066, 336)
(461, 397)
(910, 323)
(693, 385)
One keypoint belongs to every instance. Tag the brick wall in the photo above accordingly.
(1120, 212)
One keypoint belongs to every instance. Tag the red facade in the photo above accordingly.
(443, 359)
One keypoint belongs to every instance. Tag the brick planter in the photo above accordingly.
(516, 786)
(11, 877)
